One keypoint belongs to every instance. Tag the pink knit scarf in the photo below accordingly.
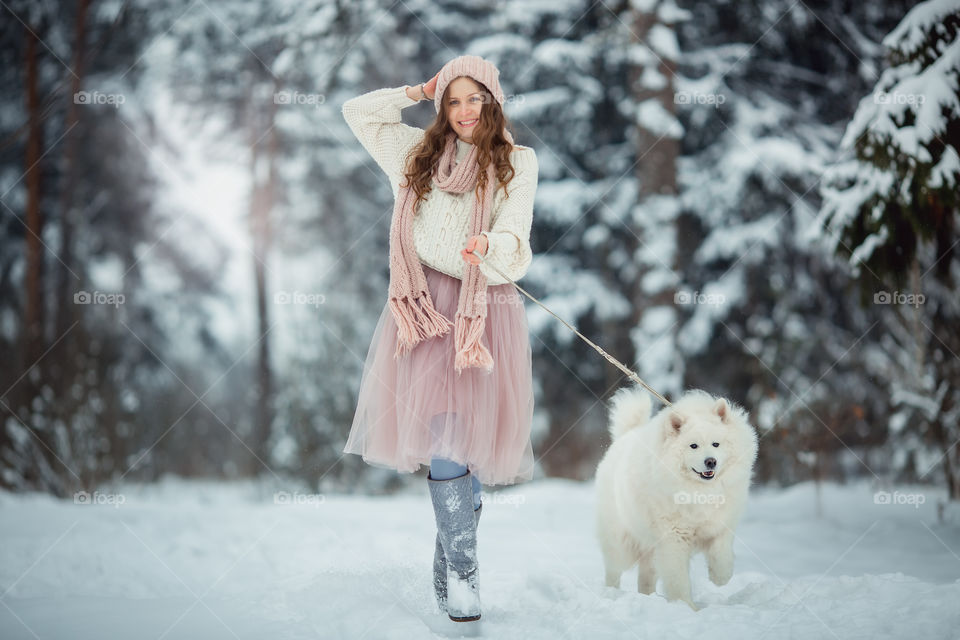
(410, 300)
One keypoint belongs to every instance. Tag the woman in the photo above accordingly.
(448, 377)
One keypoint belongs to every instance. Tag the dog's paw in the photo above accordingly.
(720, 575)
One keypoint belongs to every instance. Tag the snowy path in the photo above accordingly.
(206, 561)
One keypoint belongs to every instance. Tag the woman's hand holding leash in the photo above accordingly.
(474, 243)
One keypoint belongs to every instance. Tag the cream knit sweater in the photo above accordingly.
(440, 228)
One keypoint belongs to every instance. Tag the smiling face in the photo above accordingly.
(704, 449)
(464, 102)
(702, 436)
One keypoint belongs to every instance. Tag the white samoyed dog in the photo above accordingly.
(671, 486)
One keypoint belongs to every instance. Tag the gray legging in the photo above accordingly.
(443, 468)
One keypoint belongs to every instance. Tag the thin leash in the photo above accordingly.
(606, 355)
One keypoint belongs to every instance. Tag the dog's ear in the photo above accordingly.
(675, 421)
(722, 409)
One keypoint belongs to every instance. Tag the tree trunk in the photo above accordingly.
(65, 307)
(658, 167)
(40, 470)
(657, 177)
(944, 370)
(63, 359)
(945, 431)
(33, 315)
(264, 179)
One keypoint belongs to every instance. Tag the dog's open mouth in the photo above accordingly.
(706, 475)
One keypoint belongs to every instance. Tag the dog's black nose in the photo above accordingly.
(710, 462)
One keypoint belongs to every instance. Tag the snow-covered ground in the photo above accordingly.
(202, 560)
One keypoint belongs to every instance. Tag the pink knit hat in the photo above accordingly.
(481, 70)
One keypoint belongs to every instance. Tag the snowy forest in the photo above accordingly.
(756, 198)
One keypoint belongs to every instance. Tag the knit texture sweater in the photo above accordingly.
(440, 227)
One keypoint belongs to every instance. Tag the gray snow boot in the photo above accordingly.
(457, 529)
(440, 567)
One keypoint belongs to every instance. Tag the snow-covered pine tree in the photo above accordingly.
(765, 318)
(892, 210)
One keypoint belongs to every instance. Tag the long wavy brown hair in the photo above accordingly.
(492, 146)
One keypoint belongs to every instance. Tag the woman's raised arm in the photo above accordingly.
(375, 120)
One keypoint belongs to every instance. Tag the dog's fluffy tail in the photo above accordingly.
(630, 409)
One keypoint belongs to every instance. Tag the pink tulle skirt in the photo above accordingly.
(415, 407)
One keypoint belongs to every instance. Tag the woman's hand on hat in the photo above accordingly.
(476, 244)
(430, 86)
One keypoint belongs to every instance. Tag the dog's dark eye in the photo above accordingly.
(716, 444)
(693, 446)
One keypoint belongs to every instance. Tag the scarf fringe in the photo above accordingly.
(432, 321)
(416, 322)
(470, 349)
